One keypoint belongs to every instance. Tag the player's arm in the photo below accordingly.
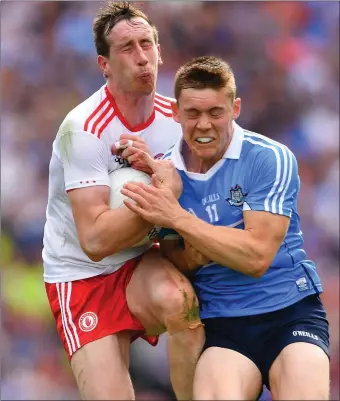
(272, 190)
(249, 251)
(101, 231)
(273, 187)
(174, 251)
(180, 253)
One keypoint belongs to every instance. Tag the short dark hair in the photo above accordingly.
(205, 72)
(108, 17)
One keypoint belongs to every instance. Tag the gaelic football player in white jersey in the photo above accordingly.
(103, 292)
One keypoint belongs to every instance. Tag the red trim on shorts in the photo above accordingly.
(87, 122)
(89, 309)
(137, 128)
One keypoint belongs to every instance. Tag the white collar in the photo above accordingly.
(233, 151)
(235, 147)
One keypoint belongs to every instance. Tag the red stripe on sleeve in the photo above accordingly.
(100, 118)
(87, 122)
(163, 112)
(107, 122)
(164, 99)
(166, 106)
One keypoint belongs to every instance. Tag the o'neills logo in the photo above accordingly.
(88, 321)
(305, 334)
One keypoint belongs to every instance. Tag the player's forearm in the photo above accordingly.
(113, 231)
(177, 256)
(227, 246)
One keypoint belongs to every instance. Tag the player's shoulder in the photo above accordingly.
(163, 106)
(261, 146)
(92, 115)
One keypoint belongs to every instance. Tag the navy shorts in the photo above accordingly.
(262, 337)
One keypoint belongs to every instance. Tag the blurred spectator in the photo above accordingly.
(285, 56)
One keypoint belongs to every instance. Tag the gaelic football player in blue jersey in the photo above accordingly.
(241, 242)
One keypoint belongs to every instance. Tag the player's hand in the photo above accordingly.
(128, 148)
(154, 203)
(193, 257)
(165, 173)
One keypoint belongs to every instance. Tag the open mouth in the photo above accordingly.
(204, 140)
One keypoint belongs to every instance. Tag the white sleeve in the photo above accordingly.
(85, 159)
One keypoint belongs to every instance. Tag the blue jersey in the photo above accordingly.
(255, 173)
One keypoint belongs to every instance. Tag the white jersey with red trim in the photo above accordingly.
(81, 157)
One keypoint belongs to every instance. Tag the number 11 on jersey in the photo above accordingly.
(212, 212)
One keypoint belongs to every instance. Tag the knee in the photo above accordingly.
(173, 297)
(178, 305)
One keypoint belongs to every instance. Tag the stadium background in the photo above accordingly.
(286, 60)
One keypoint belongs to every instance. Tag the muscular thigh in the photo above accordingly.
(225, 374)
(155, 283)
(298, 360)
(300, 372)
(101, 368)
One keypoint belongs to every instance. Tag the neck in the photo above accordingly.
(195, 164)
(135, 108)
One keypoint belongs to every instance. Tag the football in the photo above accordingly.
(117, 179)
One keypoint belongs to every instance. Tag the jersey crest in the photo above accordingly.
(236, 196)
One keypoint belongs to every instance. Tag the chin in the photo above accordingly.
(145, 89)
(207, 154)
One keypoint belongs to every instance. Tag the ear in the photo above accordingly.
(236, 108)
(160, 61)
(175, 111)
(103, 64)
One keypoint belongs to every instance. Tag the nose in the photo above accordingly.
(141, 57)
(203, 123)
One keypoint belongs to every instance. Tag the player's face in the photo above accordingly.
(134, 57)
(206, 117)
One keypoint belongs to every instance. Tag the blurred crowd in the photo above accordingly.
(285, 56)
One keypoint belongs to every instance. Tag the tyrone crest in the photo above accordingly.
(236, 196)
(88, 321)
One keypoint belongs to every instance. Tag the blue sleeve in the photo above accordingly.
(274, 183)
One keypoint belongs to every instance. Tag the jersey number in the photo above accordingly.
(212, 212)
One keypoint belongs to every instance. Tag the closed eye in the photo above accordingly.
(147, 43)
(216, 111)
(192, 113)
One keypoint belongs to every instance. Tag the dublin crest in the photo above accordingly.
(236, 196)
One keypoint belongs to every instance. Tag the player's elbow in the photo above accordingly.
(259, 266)
(93, 254)
(257, 271)
(94, 257)
(93, 250)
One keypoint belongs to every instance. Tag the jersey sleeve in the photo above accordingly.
(84, 158)
(274, 182)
